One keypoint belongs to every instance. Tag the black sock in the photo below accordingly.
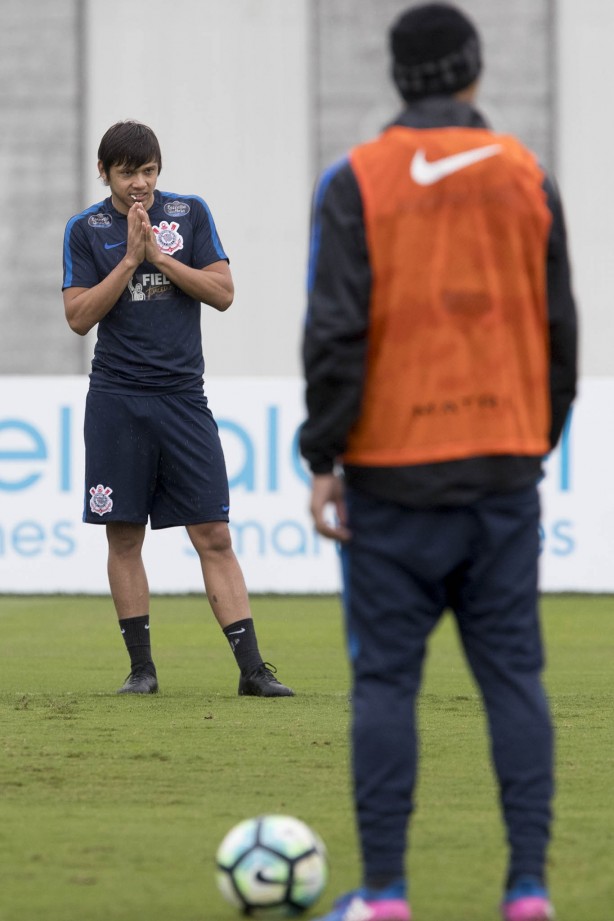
(135, 631)
(242, 638)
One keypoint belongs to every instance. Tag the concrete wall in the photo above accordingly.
(586, 130)
(224, 84)
(40, 173)
(251, 98)
(354, 96)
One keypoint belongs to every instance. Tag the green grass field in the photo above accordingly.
(111, 808)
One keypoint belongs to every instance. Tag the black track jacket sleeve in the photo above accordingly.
(335, 336)
(562, 318)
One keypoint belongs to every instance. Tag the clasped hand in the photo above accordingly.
(141, 245)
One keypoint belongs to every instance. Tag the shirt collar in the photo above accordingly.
(440, 112)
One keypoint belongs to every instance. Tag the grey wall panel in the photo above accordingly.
(46, 160)
(39, 181)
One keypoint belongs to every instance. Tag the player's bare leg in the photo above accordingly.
(127, 576)
(227, 595)
(224, 582)
(130, 592)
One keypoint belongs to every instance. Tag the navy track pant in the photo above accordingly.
(402, 569)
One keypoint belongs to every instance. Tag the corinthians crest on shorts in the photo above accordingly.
(101, 501)
(167, 237)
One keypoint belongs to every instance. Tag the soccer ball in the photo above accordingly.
(271, 866)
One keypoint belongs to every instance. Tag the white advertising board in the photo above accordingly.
(45, 547)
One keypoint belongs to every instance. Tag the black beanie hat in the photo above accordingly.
(435, 51)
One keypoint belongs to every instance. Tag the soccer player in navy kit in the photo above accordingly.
(139, 264)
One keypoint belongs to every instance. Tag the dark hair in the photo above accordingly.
(129, 143)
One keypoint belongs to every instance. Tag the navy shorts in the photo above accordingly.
(153, 457)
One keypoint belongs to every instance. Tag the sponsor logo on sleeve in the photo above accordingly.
(176, 208)
(100, 220)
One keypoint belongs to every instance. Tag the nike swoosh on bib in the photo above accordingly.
(113, 245)
(426, 172)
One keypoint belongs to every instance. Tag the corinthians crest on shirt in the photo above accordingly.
(167, 237)
(101, 502)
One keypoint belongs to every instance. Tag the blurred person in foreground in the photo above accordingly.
(138, 265)
(440, 365)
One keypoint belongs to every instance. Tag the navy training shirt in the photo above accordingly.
(150, 341)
